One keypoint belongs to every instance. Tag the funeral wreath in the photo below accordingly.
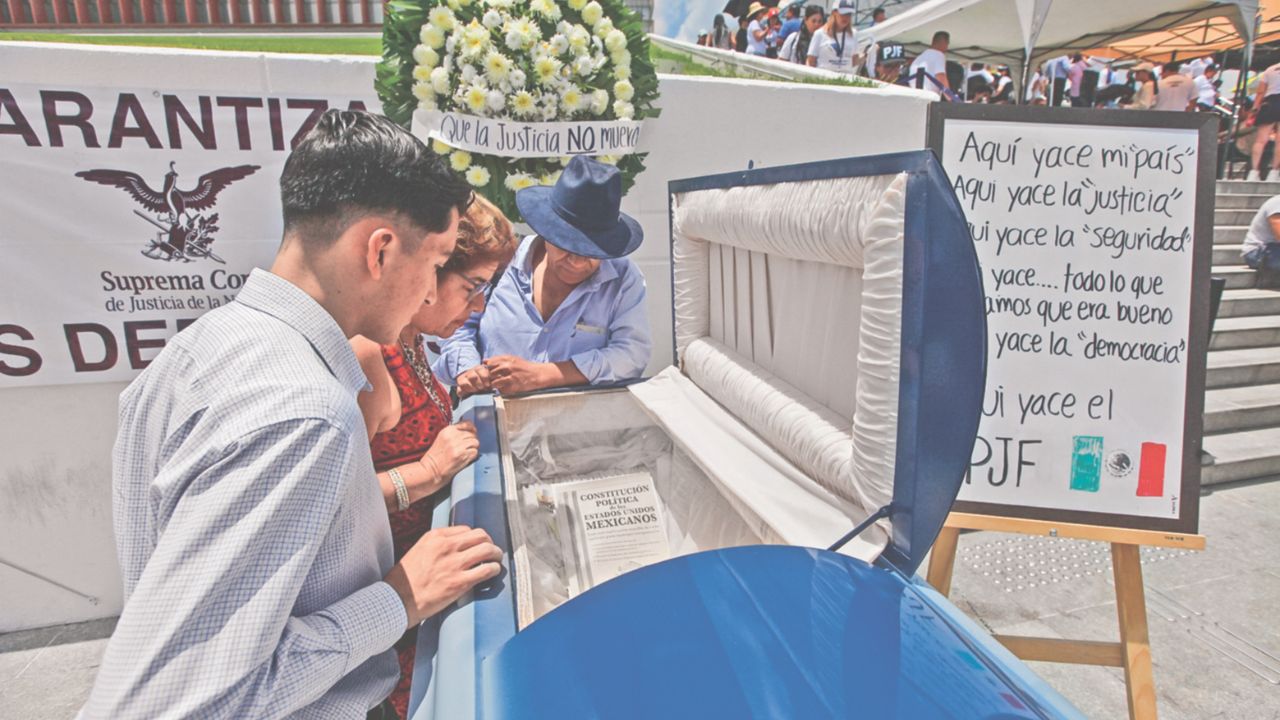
(527, 63)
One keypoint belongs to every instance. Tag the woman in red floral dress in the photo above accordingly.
(416, 447)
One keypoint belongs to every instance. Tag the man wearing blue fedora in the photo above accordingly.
(570, 308)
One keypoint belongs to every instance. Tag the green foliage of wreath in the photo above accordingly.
(476, 56)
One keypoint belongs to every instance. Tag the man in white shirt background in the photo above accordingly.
(933, 61)
(1266, 118)
(1177, 91)
(835, 45)
(1207, 88)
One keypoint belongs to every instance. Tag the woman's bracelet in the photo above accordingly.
(402, 492)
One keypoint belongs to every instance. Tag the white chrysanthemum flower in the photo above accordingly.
(624, 90)
(478, 176)
(475, 39)
(546, 69)
(624, 110)
(577, 4)
(460, 160)
(517, 78)
(546, 8)
(583, 66)
(592, 12)
(468, 74)
(432, 37)
(559, 44)
(453, 5)
(497, 100)
(426, 57)
(477, 97)
(497, 66)
(615, 41)
(421, 74)
(440, 81)
(441, 147)
(514, 41)
(442, 17)
(423, 91)
(519, 181)
(603, 28)
(523, 103)
(491, 19)
(599, 102)
(579, 39)
(500, 4)
(551, 178)
(428, 103)
(622, 71)
(571, 100)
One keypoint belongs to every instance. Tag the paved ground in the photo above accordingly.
(1214, 615)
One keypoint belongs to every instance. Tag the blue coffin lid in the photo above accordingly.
(944, 336)
(759, 632)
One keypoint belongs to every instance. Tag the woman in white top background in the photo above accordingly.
(835, 45)
(757, 31)
(796, 47)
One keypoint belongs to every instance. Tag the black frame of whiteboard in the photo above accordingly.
(1188, 518)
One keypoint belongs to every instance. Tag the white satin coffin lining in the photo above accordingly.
(788, 313)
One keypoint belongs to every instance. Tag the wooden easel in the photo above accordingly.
(1133, 652)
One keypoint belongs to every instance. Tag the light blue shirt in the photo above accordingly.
(250, 528)
(601, 326)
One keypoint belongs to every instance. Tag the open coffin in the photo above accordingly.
(829, 370)
(829, 348)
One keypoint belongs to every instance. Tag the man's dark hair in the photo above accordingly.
(940, 36)
(355, 163)
(878, 14)
(1171, 68)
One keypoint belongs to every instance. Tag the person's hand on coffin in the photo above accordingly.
(442, 566)
(511, 375)
(455, 447)
(474, 381)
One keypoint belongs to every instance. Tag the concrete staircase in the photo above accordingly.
(1242, 397)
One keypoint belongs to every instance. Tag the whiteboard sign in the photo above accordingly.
(1089, 239)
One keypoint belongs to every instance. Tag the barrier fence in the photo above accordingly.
(356, 14)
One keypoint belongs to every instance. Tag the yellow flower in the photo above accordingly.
(426, 57)
(475, 38)
(460, 160)
(478, 176)
(440, 147)
(550, 178)
(608, 159)
(519, 181)
(422, 74)
(423, 91)
(592, 13)
(523, 103)
(441, 17)
(497, 66)
(615, 41)
(571, 100)
(432, 37)
(546, 68)
(475, 98)
(623, 90)
(577, 4)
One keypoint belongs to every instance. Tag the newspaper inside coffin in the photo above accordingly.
(779, 423)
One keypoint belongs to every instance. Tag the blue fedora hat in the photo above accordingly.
(580, 213)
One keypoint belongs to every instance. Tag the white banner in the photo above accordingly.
(515, 139)
(130, 211)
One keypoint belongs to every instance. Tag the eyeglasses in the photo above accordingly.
(476, 290)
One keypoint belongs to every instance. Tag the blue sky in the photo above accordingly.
(682, 19)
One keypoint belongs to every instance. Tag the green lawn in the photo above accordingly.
(278, 44)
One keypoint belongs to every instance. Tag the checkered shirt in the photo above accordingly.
(250, 528)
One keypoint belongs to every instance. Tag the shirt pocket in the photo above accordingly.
(590, 332)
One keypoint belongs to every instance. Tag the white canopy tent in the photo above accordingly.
(1020, 33)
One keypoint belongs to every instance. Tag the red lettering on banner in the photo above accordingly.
(126, 106)
(204, 134)
(136, 345)
(53, 122)
(241, 106)
(110, 352)
(34, 361)
(18, 124)
(277, 129)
